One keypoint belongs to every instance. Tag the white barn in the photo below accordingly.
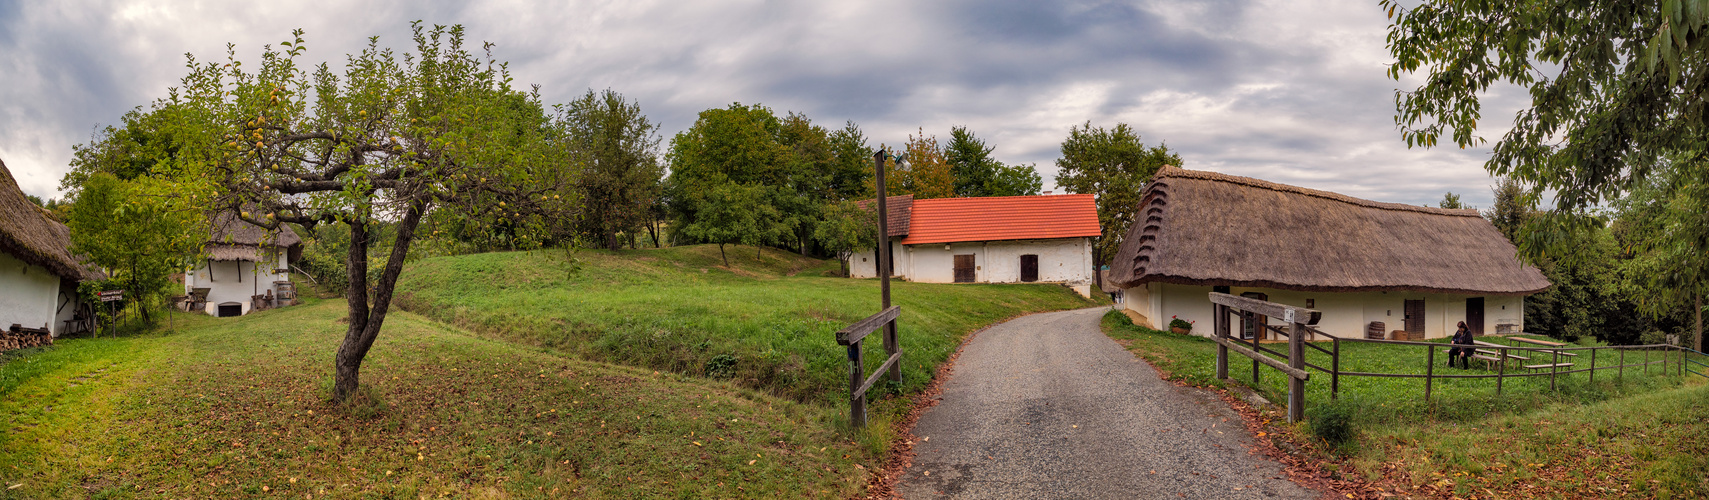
(38, 275)
(1000, 239)
(244, 262)
(1371, 268)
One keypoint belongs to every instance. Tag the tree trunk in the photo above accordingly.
(1697, 323)
(653, 230)
(360, 336)
(722, 256)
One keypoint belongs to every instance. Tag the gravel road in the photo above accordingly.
(1046, 406)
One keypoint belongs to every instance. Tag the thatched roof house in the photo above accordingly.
(246, 264)
(30, 235)
(38, 275)
(1210, 230)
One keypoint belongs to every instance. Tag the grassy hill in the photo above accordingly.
(224, 408)
(766, 322)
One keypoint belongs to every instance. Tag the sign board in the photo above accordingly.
(112, 295)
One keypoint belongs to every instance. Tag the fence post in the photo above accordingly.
(1335, 369)
(1296, 359)
(857, 402)
(1646, 361)
(1554, 367)
(1251, 321)
(886, 261)
(1500, 370)
(1219, 327)
(1429, 370)
(1620, 374)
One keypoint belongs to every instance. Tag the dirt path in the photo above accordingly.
(1046, 406)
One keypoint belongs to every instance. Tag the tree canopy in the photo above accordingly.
(1113, 165)
(390, 139)
(978, 174)
(617, 150)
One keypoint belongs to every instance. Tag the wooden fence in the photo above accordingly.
(1294, 363)
(851, 337)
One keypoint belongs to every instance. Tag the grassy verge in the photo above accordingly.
(767, 322)
(1641, 435)
(226, 408)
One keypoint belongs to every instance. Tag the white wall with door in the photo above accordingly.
(1345, 314)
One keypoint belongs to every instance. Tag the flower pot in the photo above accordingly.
(1182, 331)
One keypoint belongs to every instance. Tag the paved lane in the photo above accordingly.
(1046, 406)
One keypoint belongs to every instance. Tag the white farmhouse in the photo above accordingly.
(38, 276)
(1370, 268)
(999, 239)
(245, 264)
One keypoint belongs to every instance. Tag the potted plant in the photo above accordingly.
(1181, 326)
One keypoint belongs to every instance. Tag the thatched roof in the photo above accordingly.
(897, 209)
(234, 239)
(1205, 228)
(27, 233)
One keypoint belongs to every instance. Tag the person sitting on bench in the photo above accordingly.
(1462, 337)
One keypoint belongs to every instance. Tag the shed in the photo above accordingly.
(245, 265)
(998, 239)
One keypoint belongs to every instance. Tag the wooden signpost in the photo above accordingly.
(108, 297)
(859, 383)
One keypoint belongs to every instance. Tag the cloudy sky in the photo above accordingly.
(1289, 91)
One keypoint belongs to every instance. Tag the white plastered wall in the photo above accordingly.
(1344, 314)
(29, 295)
(236, 281)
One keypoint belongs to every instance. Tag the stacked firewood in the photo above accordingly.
(19, 338)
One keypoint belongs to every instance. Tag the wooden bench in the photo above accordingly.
(1480, 355)
(1548, 365)
(1497, 353)
(1538, 342)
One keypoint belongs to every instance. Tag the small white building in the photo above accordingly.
(38, 276)
(1370, 268)
(1001, 239)
(245, 263)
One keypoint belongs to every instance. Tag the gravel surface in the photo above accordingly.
(1046, 406)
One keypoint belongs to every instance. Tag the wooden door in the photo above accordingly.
(964, 268)
(1029, 268)
(1475, 315)
(1414, 319)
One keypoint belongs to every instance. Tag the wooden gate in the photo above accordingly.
(964, 268)
(1294, 367)
(1029, 268)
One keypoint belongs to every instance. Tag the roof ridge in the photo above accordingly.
(1170, 171)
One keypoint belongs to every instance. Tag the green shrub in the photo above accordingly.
(1175, 322)
(1120, 319)
(721, 366)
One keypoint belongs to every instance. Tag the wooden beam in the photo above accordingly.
(880, 372)
(1291, 371)
(861, 328)
(1286, 313)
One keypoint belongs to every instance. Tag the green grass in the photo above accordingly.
(1642, 434)
(224, 408)
(767, 322)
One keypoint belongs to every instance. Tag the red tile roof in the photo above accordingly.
(948, 220)
(896, 208)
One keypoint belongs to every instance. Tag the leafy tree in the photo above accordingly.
(389, 140)
(926, 173)
(736, 145)
(1668, 239)
(848, 227)
(1512, 208)
(737, 214)
(852, 165)
(1451, 200)
(977, 174)
(621, 175)
(1113, 165)
(141, 231)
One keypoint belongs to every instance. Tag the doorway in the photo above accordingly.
(1252, 324)
(230, 309)
(1414, 310)
(964, 268)
(1029, 268)
(1475, 315)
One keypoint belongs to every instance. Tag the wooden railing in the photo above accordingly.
(1293, 364)
(1296, 366)
(859, 383)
